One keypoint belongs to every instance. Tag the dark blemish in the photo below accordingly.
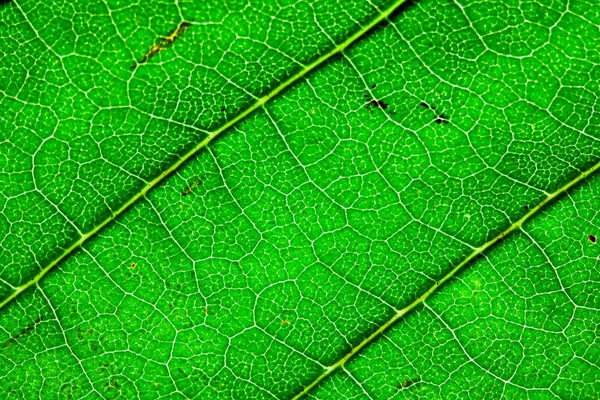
(439, 119)
(133, 265)
(442, 119)
(408, 383)
(196, 183)
(526, 207)
(374, 86)
(29, 328)
(24, 331)
(592, 238)
(377, 103)
(4, 2)
(223, 109)
(374, 102)
(163, 43)
(425, 105)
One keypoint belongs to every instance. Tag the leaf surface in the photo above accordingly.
(367, 154)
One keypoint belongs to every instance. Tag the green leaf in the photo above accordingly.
(284, 199)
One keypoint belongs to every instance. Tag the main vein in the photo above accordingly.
(478, 251)
(155, 182)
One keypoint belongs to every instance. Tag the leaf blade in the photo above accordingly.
(312, 222)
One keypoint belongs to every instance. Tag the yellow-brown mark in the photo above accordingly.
(196, 183)
(163, 43)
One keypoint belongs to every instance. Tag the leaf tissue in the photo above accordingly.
(366, 199)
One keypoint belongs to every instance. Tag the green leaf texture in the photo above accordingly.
(283, 199)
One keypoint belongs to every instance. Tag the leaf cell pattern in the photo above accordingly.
(271, 255)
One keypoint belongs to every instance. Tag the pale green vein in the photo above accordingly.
(152, 184)
(478, 251)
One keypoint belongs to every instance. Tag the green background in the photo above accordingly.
(309, 223)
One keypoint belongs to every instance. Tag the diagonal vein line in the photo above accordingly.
(212, 135)
(478, 251)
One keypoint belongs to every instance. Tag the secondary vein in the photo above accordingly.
(211, 136)
(478, 251)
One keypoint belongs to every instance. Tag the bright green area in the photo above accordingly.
(521, 323)
(310, 222)
(83, 131)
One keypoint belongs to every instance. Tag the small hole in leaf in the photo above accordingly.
(592, 238)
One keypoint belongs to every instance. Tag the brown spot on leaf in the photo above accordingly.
(376, 103)
(285, 322)
(163, 43)
(592, 238)
(408, 383)
(133, 265)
